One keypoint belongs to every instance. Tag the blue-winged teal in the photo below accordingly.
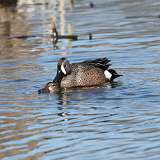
(83, 74)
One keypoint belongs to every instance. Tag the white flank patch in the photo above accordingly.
(63, 69)
(107, 74)
(50, 88)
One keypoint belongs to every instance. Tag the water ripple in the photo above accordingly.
(116, 121)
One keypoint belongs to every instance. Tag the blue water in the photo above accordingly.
(116, 122)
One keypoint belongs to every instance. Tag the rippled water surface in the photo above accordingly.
(121, 121)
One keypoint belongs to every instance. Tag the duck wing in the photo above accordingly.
(102, 63)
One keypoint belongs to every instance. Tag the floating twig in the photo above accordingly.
(72, 37)
(19, 37)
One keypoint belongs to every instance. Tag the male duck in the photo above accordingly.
(83, 74)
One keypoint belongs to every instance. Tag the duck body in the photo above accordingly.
(83, 75)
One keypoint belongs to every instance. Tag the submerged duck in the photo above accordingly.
(83, 74)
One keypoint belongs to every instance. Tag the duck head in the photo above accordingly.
(50, 87)
(111, 74)
(64, 66)
(63, 69)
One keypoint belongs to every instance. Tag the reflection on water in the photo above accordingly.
(12, 23)
(117, 121)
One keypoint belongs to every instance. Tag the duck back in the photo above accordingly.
(84, 75)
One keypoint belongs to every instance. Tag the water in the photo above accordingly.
(115, 122)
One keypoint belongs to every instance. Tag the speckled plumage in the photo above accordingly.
(86, 74)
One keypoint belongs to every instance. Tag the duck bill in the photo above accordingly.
(43, 90)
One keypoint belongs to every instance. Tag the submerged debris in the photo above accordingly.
(90, 36)
(91, 4)
(56, 36)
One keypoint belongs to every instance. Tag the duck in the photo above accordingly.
(88, 73)
(50, 87)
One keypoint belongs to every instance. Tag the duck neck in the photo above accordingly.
(58, 78)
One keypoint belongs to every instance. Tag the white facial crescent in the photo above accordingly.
(107, 74)
(63, 69)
